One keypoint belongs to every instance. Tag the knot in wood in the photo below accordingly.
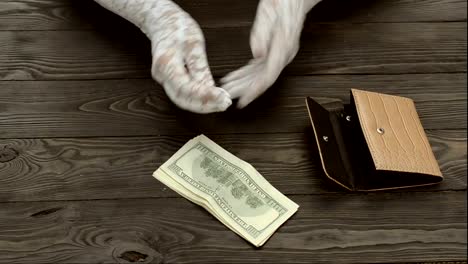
(7, 154)
(131, 252)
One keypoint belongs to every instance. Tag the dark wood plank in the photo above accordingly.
(382, 11)
(79, 14)
(140, 107)
(327, 229)
(107, 168)
(73, 15)
(326, 49)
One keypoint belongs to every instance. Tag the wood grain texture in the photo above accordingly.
(140, 107)
(326, 49)
(371, 228)
(79, 14)
(78, 147)
(110, 168)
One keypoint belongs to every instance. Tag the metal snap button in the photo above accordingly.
(381, 131)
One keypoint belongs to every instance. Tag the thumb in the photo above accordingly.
(195, 53)
(263, 26)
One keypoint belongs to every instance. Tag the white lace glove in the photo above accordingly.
(179, 56)
(274, 41)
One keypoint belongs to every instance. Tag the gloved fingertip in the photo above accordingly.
(243, 102)
(229, 77)
(224, 93)
(259, 50)
(223, 105)
(223, 81)
(226, 104)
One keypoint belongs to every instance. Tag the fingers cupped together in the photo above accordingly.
(187, 80)
(274, 42)
(180, 64)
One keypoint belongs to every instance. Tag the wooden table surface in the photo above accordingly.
(83, 126)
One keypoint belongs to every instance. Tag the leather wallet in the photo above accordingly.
(376, 142)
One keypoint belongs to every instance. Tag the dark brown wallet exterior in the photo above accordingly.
(376, 142)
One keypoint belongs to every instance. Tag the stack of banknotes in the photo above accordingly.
(229, 188)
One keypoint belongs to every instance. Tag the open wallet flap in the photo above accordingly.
(376, 142)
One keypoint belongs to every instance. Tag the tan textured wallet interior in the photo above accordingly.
(394, 134)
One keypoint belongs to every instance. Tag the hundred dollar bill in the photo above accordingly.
(229, 188)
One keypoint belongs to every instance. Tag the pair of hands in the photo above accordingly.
(179, 56)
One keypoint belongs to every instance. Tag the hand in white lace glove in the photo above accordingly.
(179, 57)
(274, 41)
